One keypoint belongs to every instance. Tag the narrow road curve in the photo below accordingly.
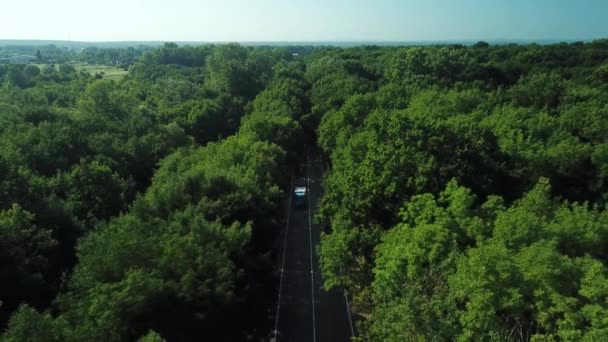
(306, 312)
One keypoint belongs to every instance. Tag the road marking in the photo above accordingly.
(350, 318)
(276, 321)
(312, 274)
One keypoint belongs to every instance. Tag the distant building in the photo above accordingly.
(19, 59)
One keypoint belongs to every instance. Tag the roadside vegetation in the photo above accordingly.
(467, 190)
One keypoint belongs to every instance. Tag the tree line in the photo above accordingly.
(467, 190)
(144, 208)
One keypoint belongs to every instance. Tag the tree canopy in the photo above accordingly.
(464, 199)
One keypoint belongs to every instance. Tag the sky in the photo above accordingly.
(303, 20)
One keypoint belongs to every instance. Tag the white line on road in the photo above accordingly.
(312, 273)
(276, 319)
(350, 318)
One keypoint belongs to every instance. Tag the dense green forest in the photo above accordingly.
(465, 195)
(467, 189)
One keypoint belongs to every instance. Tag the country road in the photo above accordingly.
(306, 312)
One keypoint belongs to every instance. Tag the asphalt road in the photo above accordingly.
(306, 312)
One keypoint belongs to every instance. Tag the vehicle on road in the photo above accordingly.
(300, 193)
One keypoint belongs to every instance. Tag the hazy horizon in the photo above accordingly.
(499, 40)
(307, 21)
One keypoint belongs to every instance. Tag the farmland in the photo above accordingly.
(107, 72)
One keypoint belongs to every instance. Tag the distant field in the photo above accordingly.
(107, 72)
